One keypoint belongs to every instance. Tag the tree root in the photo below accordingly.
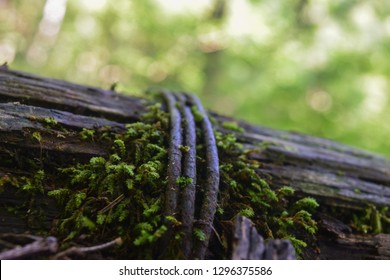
(187, 169)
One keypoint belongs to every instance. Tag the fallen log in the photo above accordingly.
(48, 126)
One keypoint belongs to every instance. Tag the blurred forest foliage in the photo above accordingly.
(315, 66)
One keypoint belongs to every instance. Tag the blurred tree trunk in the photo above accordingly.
(341, 178)
(213, 49)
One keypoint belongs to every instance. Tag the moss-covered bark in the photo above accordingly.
(76, 163)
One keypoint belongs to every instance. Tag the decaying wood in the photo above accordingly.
(335, 174)
(336, 242)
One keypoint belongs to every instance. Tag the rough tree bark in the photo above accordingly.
(338, 176)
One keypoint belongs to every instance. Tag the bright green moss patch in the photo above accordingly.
(183, 181)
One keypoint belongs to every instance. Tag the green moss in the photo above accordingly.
(227, 143)
(264, 145)
(184, 149)
(183, 181)
(372, 220)
(53, 126)
(199, 234)
(37, 136)
(232, 126)
(121, 194)
(247, 212)
(244, 191)
(198, 116)
(357, 191)
(50, 121)
(30, 191)
(115, 195)
(118, 195)
(87, 134)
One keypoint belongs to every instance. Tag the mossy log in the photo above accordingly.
(41, 120)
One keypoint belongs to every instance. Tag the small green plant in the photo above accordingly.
(199, 234)
(184, 149)
(30, 190)
(37, 136)
(247, 212)
(50, 121)
(34, 184)
(87, 134)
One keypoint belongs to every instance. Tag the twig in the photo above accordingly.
(112, 204)
(209, 203)
(39, 246)
(84, 250)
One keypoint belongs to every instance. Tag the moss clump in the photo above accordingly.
(198, 116)
(371, 220)
(199, 234)
(37, 136)
(50, 121)
(183, 181)
(118, 195)
(184, 149)
(232, 126)
(87, 134)
(245, 192)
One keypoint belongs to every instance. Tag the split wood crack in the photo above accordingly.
(180, 202)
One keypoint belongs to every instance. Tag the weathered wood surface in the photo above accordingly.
(335, 174)
(336, 242)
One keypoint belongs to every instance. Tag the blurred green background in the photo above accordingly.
(313, 66)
